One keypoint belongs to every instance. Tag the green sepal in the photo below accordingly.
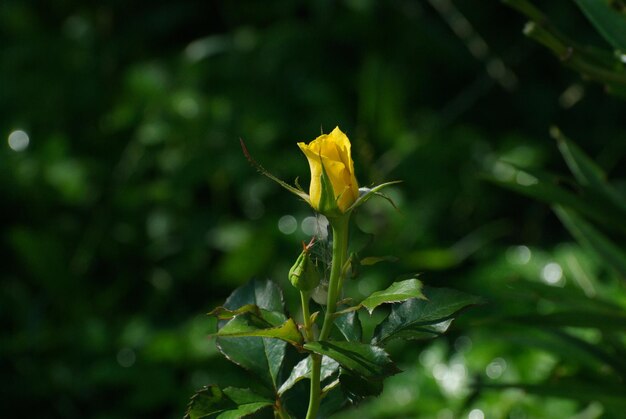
(296, 191)
(366, 193)
(328, 203)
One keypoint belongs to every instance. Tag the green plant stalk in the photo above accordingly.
(315, 394)
(316, 360)
(572, 56)
(340, 249)
(340, 227)
(306, 314)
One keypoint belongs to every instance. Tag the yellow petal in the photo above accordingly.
(333, 151)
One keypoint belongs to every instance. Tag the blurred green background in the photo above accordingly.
(128, 210)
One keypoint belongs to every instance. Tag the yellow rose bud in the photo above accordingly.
(333, 185)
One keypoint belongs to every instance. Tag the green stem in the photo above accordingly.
(306, 314)
(340, 248)
(340, 226)
(315, 394)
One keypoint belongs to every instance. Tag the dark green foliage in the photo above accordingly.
(349, 326)
(368, 361)
(256, 338)
(593, 212)
(592, 62)
(132, 212)
(423, 318)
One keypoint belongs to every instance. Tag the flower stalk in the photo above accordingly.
(340, 227)
(306, 314)
(333, 192)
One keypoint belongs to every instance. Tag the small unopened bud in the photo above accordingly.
(304, 274)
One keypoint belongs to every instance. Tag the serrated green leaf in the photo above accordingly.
(419, 319)
(208, 401)
(303, 371)
(261, 355)
(356, 388)
(263, 293)
(244, 410)
(247, 403)
(349, 325)
(333, 400)
(244, 326)
(590, 237)
(609, 22)
(360, 358)
(243, 395)
(230, 403)
(397, 292)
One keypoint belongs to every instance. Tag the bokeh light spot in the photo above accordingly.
(552, 273)
(187, 106)
(309, 226)
(525, 179)
(451, 378)
(519, 255)
(503, 171)
(463, 344)
(287, 224)
(18, 140)
(496, 368)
